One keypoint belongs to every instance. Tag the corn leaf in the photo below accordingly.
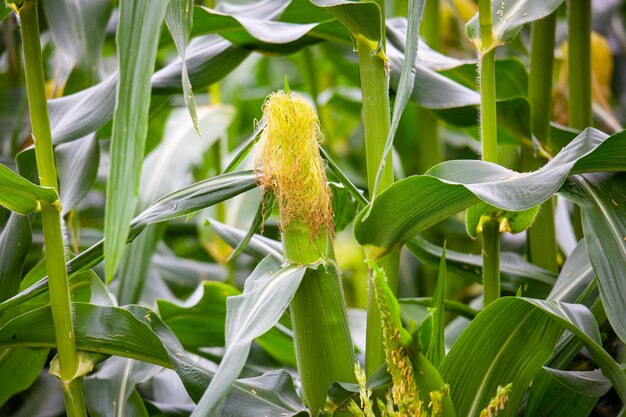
(136, 54)
(509, 16)
(437, 349)
(20, 195)
(138, 333)
(266, 295)
(360, 18)
(177, 204)
(77, 163)
(179, 19)
(414, 204)
(487, 352)
(602, 201)
(78, 30)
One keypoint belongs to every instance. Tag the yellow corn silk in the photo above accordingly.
(289, 163)
(601, 76)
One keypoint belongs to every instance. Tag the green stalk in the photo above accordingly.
(542, 235)
(322, 338)
(489, 136)
(491, 261)
(429, 27)
(540, 81)
(579, 67)
(51, 214)
(376, 121)
(579, 59)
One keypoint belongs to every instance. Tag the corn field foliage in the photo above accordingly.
(276, 208)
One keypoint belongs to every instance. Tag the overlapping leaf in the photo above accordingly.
(136, 332)
(416, 203)
(177, 204)
(602, 201)
(509, 16)
(487, 353)
(20, 195)
(266, 295)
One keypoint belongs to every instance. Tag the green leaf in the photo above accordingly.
(84, 112)
(177, 204)
(109, 390)
(15, 242)
(255, 29)
(362, 19)
(265, 206)
(431, 89)
(136, 55)
(4, 12)
(549, 397)
(265, 298)
(591, 383)
(259, 246)
(20, 195)
(136, 332)
(602, 201)
(165, 169)
(414, 204)
(510, 221)
(179, 19)
(78, 31)
(437, 349)
(488, 352)
(209, 59)
(515, 269)
(19, 368)
(509, 17)
(206, 308)
(77, 163)
(575, 276)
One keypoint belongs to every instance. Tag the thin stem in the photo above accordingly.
(429, 28)
(488, 113)
(74, 398)
(491, 261)
(51, 214)
(542, 235)
(579, 63)
(489, 135)
(579, 67)
(540, 81)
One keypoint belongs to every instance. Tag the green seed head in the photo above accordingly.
(289, 163)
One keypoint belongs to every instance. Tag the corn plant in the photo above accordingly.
(377, 208)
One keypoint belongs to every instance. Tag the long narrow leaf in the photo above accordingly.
(602, 200)
(177, 204)
(179, 19)
(137, 39)
(414, 204)
(266, 296)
